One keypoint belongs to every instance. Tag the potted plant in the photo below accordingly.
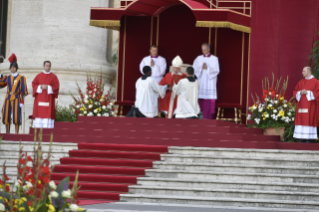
(272, 112)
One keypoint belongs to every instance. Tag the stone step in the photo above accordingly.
(246, 153)
(15, 159)
(238, 160)
(236, 168)
(54, 154)
(25, 144)
(239, 202)
(224, 193)
(227, 184)
(233, 176)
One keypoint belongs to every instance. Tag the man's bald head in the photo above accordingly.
(306, 72)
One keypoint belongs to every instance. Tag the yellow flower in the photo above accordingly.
(24, 199)
(282, 98)
(22, 209)
(51, 207)
(81, 209)
(282, 113)
(31, 209)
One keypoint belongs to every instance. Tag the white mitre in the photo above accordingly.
(177, 62)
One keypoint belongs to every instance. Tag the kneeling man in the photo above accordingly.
(187, 100)
(147, 91)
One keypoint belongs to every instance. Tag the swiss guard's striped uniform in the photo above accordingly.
(16, 92)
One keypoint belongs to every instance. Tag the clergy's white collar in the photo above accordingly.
(15, 74)
(47, 72)
(309, 77)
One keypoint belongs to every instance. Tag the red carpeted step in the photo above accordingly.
(92, 202)
(111, 154)
(98, 195)
(98, 170)
(107, 162)
(89, 186)
(96, 178)
(124, 147)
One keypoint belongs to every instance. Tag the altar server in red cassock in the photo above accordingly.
(307, 96)
(168, 104)
(207, 69)
(16, 92)
(45, 91)
(156, 62)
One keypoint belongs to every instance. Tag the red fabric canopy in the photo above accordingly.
(206, 17)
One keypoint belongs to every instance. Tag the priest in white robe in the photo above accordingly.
(156, 62)
(207, 69)
(187, 100)
(147, 91)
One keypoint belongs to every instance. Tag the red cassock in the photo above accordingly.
(169, 103)
(307, 111)
(44, 103)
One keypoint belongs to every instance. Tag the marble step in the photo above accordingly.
(246, 153)
(29, 146)
(219, 201)
(236, 168)
(227, 184)
(233, 176)
(224, 193)
(275, 161)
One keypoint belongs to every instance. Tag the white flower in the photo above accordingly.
(109, 106)
(283, 118)
(17, 184)
(99, 114)
(270, 105)
(95, 111)
(94, 89)
(275, 111)
(111, 103)
(85, 101)
(93, 95)
(90, 106)
(277, 95)
(28, 184)
(2, 208)
(106, 115)
(74, 207)
(103, 107)
(52, 185)
(285, 105)
(269, 93)
(266, 99)
(293, 119)
(90, 114)
(54, 194)
(78, 106)
(267, 115)
(101, 100)
(260, 110)
(86, 96)
(248, 117)
(113, 113)
(66, 194)
(97, 103)
(80, 114)
(276, 101)
(289, 114)
(257, 120)
(85, 112)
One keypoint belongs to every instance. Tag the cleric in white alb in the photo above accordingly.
(187, 100)
(45, 90)
(156, 62)
(147, 91)
(206, 69)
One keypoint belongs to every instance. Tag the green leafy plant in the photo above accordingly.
(314, 59)
(64, 113)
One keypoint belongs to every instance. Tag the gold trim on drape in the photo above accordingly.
(223, 24)
(115, 25)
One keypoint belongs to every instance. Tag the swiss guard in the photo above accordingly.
(16, 92)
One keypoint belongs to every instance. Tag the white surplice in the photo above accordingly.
(147, 91)
(207, 77)
(187, 100)
(158, 70)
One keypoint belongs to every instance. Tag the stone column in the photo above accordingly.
(58, 31)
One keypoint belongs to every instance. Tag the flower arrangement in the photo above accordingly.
(34, 192)
(272, 110)
(93, 102)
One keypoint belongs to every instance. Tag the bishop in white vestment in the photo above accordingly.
(207, 69)
(147, 91)
(187, 100)
(156, 62)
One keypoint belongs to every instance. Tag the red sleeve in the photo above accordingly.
(35, 85)
(297, 88)
(164, 81)
(56, 86)
(316, 91)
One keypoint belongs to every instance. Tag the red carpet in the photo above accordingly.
(113, 152)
